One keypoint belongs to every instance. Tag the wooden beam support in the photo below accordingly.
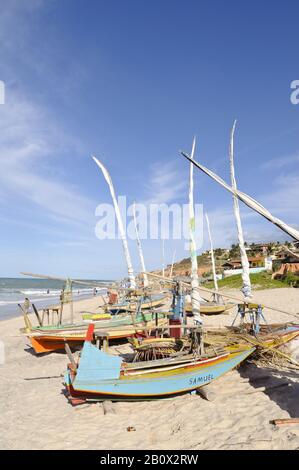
(37, 314)
(70, 356)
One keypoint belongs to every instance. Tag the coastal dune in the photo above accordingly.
(34, 413)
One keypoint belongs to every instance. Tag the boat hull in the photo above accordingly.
(44, 343)
(132, 306)
(278, 337)
(210, 308)
(159, 382)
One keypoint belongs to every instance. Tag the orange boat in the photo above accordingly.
(48, 339)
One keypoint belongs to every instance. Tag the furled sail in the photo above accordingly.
(248, 200)
(145, 278)
(163, 257)
(212, 254)
(195, 297)
(171, 269)
(120, 223)
(246, 289)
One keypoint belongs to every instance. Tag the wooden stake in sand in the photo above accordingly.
(108, 407)
(282, 422)
(206, 393)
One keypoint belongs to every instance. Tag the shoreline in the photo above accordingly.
(41, 292)
(93, 301)
(40, 308)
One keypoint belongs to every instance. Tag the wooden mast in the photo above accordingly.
(145, 278)
(120, 223)
(246, 289)
(195, 296)
(212, 255)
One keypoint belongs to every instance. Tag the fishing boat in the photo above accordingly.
(131, 304)
(99, 375)
(211, 308)
(165, 366)
(53, 338)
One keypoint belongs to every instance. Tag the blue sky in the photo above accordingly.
(131, 82)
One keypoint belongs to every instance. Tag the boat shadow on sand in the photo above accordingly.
(30, 350)
(127, 353)
(281, 386)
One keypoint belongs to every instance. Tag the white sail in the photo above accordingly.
(246, 289)
(248, 200)
(212, 254)
(171, 269)
(145, 278)
(120, 224)
(195, 296)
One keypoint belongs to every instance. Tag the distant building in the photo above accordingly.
(262, 247)
(256, 265)
(287, 263)
(254, 262)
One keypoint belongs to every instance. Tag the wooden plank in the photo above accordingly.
(20, 306)
(283, 422)
(70, 356)
(26, 320)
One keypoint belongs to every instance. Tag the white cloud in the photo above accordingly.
(29, 142)
(166, 183)
(14, 21)
(281, 162)
(69, 244)
(284, 200)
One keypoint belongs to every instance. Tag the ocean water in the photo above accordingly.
(42, 292)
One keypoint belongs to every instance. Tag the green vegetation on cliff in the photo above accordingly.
(261, 280)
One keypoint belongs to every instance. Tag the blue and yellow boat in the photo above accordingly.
(100, 375)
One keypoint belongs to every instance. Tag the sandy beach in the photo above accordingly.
(34, 413)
